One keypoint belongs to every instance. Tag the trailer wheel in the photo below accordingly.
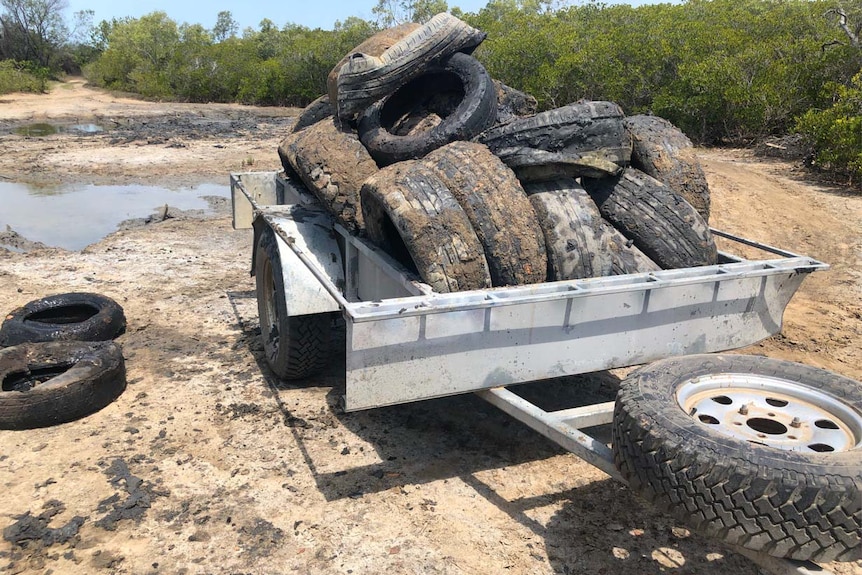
(295, 346)
(757, 452)
(48, 383)
(66, 316)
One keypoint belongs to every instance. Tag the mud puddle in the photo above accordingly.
(41, 129)
(75, 216)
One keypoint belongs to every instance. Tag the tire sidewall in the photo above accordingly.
(267, 255)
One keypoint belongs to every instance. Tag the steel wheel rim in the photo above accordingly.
(270, 311)
(773, 412)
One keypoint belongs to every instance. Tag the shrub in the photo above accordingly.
(21, 77)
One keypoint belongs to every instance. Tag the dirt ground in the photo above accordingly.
(206, 464)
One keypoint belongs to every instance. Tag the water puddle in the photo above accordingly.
(39, 130)
(75, 216)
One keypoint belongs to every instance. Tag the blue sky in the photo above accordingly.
(311, 13)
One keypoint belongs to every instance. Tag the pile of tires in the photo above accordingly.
(455, 175)
(58, 362)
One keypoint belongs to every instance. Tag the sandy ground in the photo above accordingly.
(206, 464)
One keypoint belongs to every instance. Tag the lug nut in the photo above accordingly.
(743, 410)
(796, 422)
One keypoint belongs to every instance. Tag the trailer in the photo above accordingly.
(406, 343)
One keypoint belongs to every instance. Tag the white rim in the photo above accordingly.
(772, 412)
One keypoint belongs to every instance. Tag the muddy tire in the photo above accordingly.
(580, 243)
(665, 153)
(295, 346)
(316, 111)
(475, 111)
(375, 46)
(498, 210)
(752, 478)
(581, 139)
(63, 317)
(658, 220)
(366, 79)
(332, 164)
(48, 383)
(410, 213)
(513, 104)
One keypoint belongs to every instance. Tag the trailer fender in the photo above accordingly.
(311, 232)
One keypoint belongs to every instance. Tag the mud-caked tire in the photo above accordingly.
(67, 316)
(659, 221)
(366, 79)
(498, 209)
(316, 111)
(476, 111)
(663, 151)
(333, 164)
(411, 214)
(721, 442)
(295, 346)
(513, 104)
(581, 139)
(49, 383)
(580, 243)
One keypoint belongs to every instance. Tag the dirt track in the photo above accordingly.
(207, 465)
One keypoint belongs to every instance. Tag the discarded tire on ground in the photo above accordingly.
(498, 210)
(513, 104)
(581, 139)
(660, 222)
(756, 452)
(365, 79)
(295, 346)
(67, 316)
(412, 215)
(48, 383)
(580, 243)
(332, 164)
(661, 150)
(477, 110)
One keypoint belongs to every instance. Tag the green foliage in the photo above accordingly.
(836, 132)
(22, 77)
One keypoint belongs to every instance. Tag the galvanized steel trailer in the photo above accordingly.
(405, 342)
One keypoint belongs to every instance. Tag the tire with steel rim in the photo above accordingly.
(756, 452)
(295, 346)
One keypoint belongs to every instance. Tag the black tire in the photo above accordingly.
(62, 317)
(498, 210)
(332, 164)
(660, 222)
(316, 111)
(581, 139)
(295, 346)
(365, 79)
(476, 110)
(804, 505)
(580, 243)
(412, 216)
(664, 152)
(376, 45)
(47, 383)
(513, 104)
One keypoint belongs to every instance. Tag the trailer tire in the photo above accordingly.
(501, 215)
(316, 111)
(476, 111)
(332, 164)
(67, 316)
(297, 346)
(581, 139)
(707, 472)
(580, 243)
(660, 222)
(663, 151)
(411, 214)
(48, 383)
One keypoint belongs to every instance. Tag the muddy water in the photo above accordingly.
(75, 216)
